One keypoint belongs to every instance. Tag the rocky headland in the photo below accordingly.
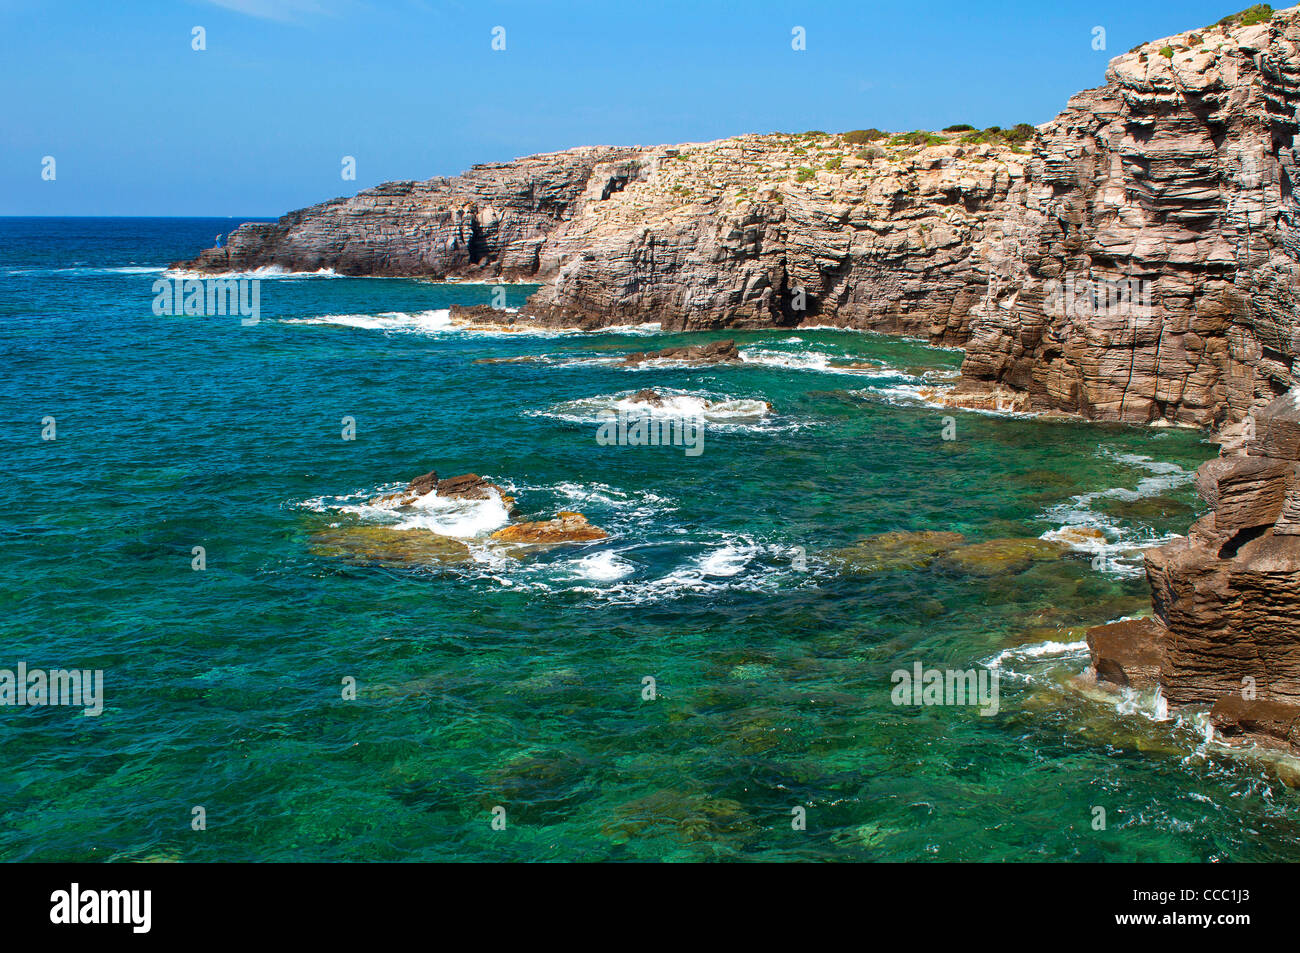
(1133, 259)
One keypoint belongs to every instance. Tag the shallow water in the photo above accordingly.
(518, 683)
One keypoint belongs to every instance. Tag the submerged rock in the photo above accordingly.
(387, 546)
(897, 550)
(565, 528)
(691, 817)
(998, 556)
(1079, 535)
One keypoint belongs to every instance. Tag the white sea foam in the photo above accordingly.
(1035, 662)
(1119, 544)
(445, 516)
(438, 321)
(721, 412)
(88, 270)
(602, 566)
(422, 322)
(264, 272)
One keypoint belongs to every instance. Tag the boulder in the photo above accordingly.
(565, 528)
(716, 352)
(1127, 654)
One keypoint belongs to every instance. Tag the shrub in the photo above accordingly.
(860, 137)
(804, 174)
(833, 163)
(1167, 52)
(1019, 133)
(917, 137)
(1259, 13)
(959, 127)
(874, 152)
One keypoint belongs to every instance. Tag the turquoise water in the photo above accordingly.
(518, 682)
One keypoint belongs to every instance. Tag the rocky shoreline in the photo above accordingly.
(1225, 629)
(1137, 261)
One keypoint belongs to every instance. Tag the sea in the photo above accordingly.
(294, 670)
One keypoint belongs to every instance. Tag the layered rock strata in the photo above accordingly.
(1140, 265)
(1159, 280)
(1225, 632)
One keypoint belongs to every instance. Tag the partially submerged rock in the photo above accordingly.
(648, 396)
(1233, 715)
(565, 528)
(467, 486)
(388, 546)
(1079, 536)
(1126, 654)
(1000, 556)
(715, 352)
(897, 550)
(1226, 597)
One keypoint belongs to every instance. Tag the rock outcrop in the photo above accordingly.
(1160, 257)
(1226, 598)
(715, 352)
(489, 222)
(565, 528)
(467, 486)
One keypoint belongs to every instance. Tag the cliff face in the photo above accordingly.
(1226, 626)
(1141, 265)
(1175, 180)
(490, 221)
(782, 230)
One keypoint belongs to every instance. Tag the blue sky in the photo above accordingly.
(139, 123)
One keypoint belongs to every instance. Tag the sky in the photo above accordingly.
(258, 122)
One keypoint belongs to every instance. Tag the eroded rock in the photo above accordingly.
(897, 550)
(715, 352)
(565, 528)
(1126, 654)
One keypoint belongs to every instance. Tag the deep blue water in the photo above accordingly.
(515, 680)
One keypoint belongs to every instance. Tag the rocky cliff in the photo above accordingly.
(491, 222)
(1140, 265)
(1226, 598)
(1173, 185)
